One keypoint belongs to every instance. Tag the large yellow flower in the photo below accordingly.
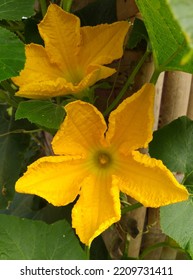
(73, 57)
(96, 163)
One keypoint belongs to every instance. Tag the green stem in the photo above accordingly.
(131, 207)
(127, 84)
(20, 131)
(19, 34)
(43, 7)
(66, 5)
(6, 85)
(87, 251)
(155, 76)
(186, 177)
(58, 100)
(9, 93)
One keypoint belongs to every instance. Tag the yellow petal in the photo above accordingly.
(103, 43)
(56, 179)
(97, 208)
(75, 49)
(130, 125)
(94, 74)
(32, 84)
(149, 181)
(38, 70)
(61, 33)
(45, 89)
(82, 130)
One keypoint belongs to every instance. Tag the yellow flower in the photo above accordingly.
(95, 163)
(73, 57)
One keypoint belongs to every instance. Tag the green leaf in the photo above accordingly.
(173, 144)
(183, 13)
(12, 55)
(24, 239)
(168, 42)
(177, 222)
(15, 10)
(12, 149)
(138, 34)
(43, 113)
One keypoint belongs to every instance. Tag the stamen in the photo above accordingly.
(104, 159)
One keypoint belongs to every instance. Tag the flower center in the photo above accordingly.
(103, 159)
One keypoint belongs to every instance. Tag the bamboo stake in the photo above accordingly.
(134, 247)
(158, 97)
(175, 97)
(190, 104)
(126, 9)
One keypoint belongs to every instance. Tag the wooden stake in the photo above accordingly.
(175, 97)
(190, 104)
(126, 9)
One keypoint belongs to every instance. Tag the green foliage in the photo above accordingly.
(12, 154)
(173, 145)
(36, 240)
(15, 10)
(138, 34)
(168, 42)
(177, 222)
(183, 13)
(12, 55)
(43, 113)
